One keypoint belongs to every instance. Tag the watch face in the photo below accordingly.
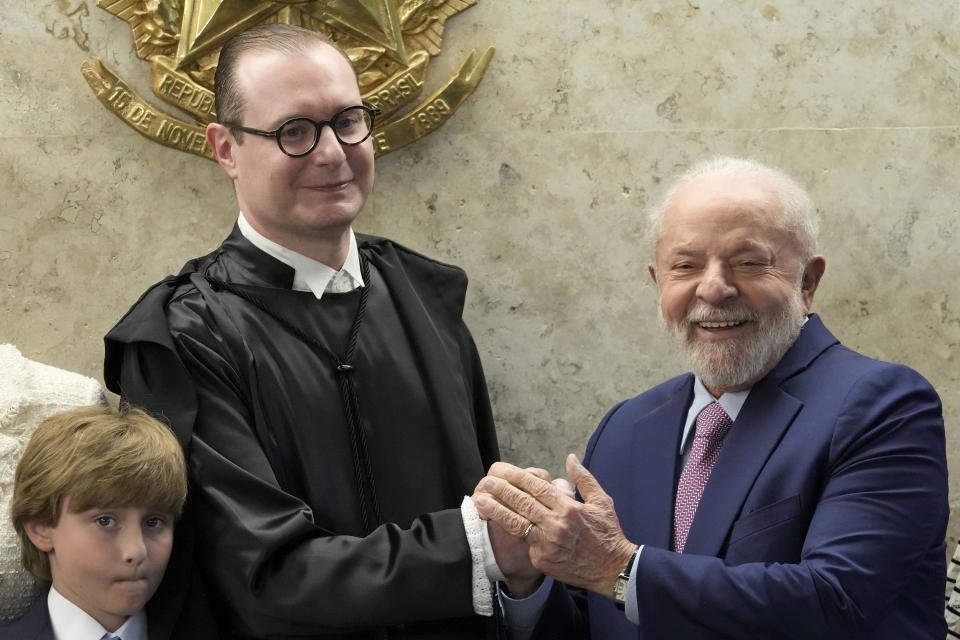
(620, 590)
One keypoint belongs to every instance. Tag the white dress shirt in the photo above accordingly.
(70, 622)
(309, 274)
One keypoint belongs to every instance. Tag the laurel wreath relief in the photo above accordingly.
(389, 47)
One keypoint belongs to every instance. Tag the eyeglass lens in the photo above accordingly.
(298, 136)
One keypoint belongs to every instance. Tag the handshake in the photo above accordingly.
(537, 526)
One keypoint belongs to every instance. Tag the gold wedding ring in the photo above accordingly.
(526, 532)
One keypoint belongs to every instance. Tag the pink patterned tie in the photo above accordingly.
(712, 425)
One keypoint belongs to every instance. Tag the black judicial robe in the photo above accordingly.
(275, 495)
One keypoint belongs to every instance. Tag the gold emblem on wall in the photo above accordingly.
(389, 42)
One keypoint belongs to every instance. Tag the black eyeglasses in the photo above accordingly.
(299, 136)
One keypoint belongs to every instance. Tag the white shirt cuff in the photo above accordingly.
(630, 607)
(479, 543)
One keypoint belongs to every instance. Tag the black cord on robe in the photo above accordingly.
(363, 469)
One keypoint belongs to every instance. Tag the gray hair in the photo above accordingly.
(799, 213)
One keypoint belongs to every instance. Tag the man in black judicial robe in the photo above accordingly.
(332, 429)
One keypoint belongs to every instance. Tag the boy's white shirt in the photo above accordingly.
(70, 622)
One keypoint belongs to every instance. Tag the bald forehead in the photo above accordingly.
(725, 188)
(726, 191)
(322, 51)
(269, 77)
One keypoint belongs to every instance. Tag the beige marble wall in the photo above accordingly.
(536, 186)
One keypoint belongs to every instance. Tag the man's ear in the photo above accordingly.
(811, 279)
(223, 144)
(40, 535)
(653, 272)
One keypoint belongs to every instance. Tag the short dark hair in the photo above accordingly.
(287, 39)
(96, 457)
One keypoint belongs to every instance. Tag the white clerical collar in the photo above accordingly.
(309, 274)
(70, 622)
(731, 401)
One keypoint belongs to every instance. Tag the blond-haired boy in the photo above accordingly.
(96, 495)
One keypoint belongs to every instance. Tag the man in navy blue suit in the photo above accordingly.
(811, 503)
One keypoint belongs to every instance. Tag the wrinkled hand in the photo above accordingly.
(513, 558)
(512, 554)
(581, 544)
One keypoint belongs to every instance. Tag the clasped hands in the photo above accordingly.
(579, 543)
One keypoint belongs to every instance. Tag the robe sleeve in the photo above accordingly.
(483, 413)
(282, 572)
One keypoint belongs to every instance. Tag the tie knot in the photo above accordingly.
(713, 422)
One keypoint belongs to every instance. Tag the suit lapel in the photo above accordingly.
(756, 432)
(656, 444)
(758, 429)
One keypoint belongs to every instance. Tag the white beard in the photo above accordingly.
(737, 362)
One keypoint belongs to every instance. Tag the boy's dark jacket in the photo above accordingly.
(35, 623)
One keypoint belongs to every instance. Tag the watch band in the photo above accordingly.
(622, 581)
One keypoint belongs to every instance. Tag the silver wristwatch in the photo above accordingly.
(620, 586)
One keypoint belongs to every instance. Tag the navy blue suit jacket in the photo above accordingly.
(32, 625)
(35, 624)
(824, 516)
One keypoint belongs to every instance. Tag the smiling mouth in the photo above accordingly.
(721, 325)
(336, 186)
